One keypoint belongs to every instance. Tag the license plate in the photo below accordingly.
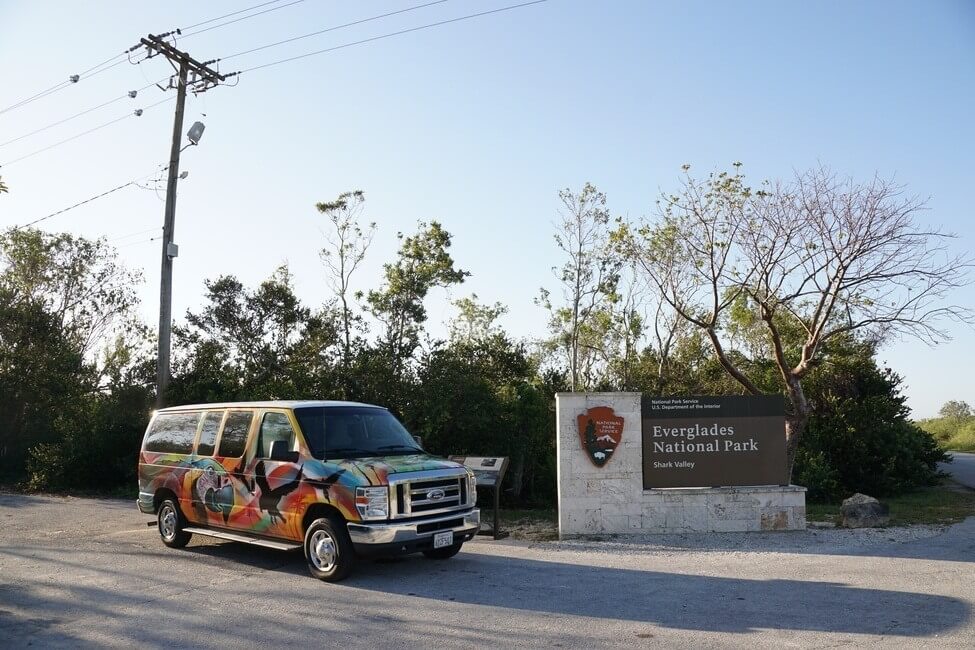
(441, 540)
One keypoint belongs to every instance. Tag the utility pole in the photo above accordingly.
(200, 77)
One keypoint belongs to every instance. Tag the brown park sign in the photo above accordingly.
(713, 441)
(600, 432)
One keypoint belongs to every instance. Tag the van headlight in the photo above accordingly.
(372, 502)
(472, 487)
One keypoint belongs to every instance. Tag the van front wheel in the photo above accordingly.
(329, 550)
(170, 522)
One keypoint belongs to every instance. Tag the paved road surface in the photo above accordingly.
(81, 572)
(962, 469)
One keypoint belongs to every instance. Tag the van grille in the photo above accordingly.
(427, 496)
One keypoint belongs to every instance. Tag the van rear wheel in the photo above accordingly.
(170, 521)
(328, 549)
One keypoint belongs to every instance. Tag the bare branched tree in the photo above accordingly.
(668, 327)
(347, 246)
(589, 274)
(815, 259)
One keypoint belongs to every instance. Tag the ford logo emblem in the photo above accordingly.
(435, 495)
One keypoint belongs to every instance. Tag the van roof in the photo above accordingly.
(286, 404)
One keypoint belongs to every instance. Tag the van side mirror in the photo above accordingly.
(280, 452)
(419, 441)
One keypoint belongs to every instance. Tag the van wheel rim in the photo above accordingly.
(322, 550)
(167, 523)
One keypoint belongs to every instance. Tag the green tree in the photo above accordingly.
(78, 282)
(482, 397)
(43, 376)
(475, 321)
(254, 344)
(422, 263)
(956, 409)
(68, 342)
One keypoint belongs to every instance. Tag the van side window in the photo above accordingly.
(275, 426)
(234, 438)
(173, 433)
(208, 435)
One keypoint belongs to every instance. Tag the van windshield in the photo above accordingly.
(354, 432)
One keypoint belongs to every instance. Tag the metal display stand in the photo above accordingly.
(489, 473)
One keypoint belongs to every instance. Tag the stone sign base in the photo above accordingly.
(611, 499)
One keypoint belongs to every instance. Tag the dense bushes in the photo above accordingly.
(97, 448)
(483, 397)
(956, 433)
(860, 438)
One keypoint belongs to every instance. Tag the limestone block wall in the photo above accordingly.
(611, 499)
(599, 499)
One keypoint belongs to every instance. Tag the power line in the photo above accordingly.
(136, 113)
(73, 79)
(332, 29)
(88, 200)
(232, 13)
(138, 243)
(72, 207)
(105, 62)
(129, 95)
(389, 35)
(237, 20)
(133, 234)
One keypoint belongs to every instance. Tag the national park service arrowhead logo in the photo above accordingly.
(600, 433)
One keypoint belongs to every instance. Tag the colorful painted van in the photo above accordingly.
(339, 479)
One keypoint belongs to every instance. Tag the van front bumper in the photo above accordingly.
(412, 536)
(145, 502)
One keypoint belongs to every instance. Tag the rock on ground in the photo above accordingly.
(862, 511)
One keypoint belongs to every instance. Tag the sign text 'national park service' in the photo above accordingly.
(600, 432)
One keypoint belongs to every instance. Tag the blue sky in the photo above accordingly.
(478, 124)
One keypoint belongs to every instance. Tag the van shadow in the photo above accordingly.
(671, 600)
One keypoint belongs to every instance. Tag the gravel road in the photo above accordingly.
(88, 572)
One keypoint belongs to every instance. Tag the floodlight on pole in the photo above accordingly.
(195, 132)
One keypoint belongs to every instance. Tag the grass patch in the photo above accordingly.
(943, 504)
(532, 525)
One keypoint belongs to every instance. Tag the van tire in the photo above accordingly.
(328, 549)
(170, 522)
(444, 553)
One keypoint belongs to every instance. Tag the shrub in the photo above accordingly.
(954, 433)
(97, 447)
(860, 438)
